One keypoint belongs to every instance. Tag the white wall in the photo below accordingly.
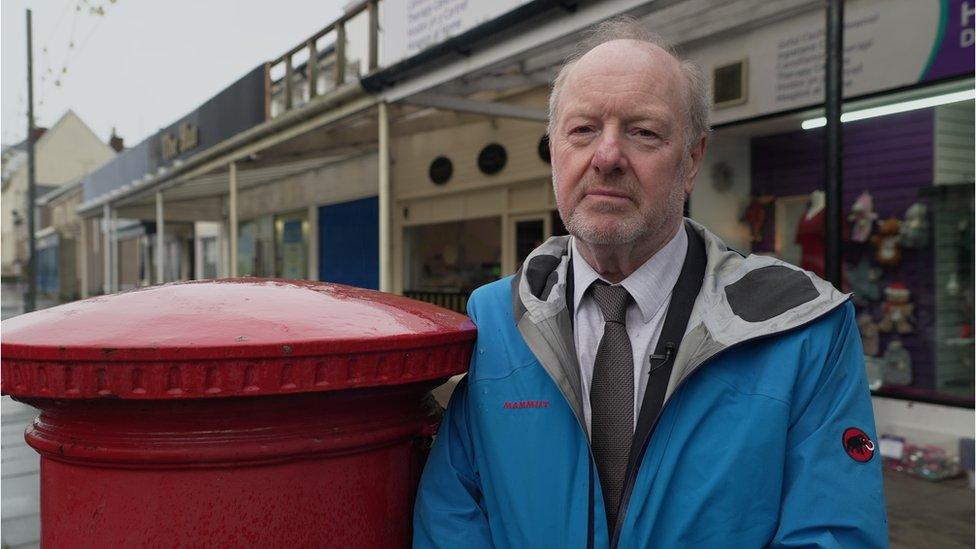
(720, 212)
(923, 423)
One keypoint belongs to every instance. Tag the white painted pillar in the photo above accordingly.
(223, 267)
(107, 249)
(233, 218)
(385, 191)
(160, 240)
(83, 257)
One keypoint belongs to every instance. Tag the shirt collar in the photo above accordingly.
(650, 285)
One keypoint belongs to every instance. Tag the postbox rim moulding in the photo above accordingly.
(231, 337)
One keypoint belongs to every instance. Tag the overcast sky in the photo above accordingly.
(144, 63)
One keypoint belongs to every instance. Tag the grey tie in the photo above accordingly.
(612, 396)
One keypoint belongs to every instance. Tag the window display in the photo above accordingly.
(453, 257)
(255, 241)
(906, 243)
(291, 250)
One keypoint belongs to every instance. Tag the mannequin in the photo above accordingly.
(810, 234)
(818, 200)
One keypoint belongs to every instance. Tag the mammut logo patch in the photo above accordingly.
(858, 445)
(520, 404)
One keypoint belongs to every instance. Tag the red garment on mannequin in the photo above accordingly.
(810, 237)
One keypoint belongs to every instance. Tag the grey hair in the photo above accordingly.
(628, 28)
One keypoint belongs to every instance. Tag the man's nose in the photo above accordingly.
(609, 158)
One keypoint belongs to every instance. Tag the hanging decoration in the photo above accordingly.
(863, 281)
(914, 232)
(869, 334)
(756, 214)
(897, 364)
(862, 217)
(874, 367)
(887, 251)
(897, 310)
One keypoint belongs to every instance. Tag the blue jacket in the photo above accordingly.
(764, 439)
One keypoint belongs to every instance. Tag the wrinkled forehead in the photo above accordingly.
(627, 66)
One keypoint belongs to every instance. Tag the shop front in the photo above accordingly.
(907, 191)
(274, 246)
(470, 202)
(317, 223)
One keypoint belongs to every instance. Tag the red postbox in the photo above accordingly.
(246, 412)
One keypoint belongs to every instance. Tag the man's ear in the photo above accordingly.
(697, 154)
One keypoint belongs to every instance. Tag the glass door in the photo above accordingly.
(529, 231)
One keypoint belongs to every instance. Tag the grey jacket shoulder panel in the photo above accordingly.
(769, 291)
(721, 319)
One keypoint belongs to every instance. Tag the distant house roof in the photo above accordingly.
(53, 193)
(15, 155)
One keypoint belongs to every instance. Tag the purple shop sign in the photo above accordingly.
(952, 53)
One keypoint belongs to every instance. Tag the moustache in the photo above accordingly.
(625, 186)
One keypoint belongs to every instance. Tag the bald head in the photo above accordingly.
(623, 48)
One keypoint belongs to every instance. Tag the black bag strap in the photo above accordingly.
(675, 322)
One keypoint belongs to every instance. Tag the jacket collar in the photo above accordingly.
(741, 298)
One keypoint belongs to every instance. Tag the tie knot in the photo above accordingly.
(613, 301)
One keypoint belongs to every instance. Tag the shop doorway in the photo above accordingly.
(349, 243)
(528, 232)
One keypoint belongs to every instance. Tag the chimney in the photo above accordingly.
(116, 142)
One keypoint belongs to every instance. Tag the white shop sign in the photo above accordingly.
(888, 44)
(411, 26)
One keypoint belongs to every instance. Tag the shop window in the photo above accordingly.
(529, 235)
(907, 239)
(255, 247)
(47, 270)
(210, 257)
(454, 257)
(291, 248)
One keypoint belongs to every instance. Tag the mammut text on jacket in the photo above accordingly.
(765, 437)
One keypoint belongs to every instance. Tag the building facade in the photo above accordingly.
(64, 153)
(418, 164)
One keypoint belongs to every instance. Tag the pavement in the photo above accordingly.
(923, 514)
(19, 478)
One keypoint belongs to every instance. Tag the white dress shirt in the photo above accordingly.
(650, 287)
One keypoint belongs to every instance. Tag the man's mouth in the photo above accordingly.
(607, 194)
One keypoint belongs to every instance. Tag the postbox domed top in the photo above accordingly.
(241, 333)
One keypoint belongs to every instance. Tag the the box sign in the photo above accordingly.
(186, 138)
(235, 109)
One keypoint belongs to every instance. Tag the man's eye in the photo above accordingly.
(581, 129)
(642, 132)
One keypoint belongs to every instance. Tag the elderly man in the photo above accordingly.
(638, 384)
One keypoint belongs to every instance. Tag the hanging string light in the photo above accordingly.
(84, 10)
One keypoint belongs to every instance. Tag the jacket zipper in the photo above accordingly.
(632, 479)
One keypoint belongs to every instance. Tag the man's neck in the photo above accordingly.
(615, 263)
